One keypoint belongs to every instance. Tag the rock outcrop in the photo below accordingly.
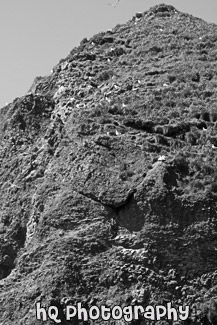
(108, 175)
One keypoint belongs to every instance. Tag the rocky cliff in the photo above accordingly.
(108, 175)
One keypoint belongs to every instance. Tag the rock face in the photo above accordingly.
(108, 175)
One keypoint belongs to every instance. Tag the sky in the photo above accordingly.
(36, 34)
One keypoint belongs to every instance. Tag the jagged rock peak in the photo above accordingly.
(163, 8)
(108, 175)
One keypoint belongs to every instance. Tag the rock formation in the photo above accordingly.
(108, 175)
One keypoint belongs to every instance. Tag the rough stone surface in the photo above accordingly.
(90, 211)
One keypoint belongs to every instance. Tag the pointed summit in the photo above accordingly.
(162, 8)
(108, 175)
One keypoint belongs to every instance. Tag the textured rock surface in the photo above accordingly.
(108, 174)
